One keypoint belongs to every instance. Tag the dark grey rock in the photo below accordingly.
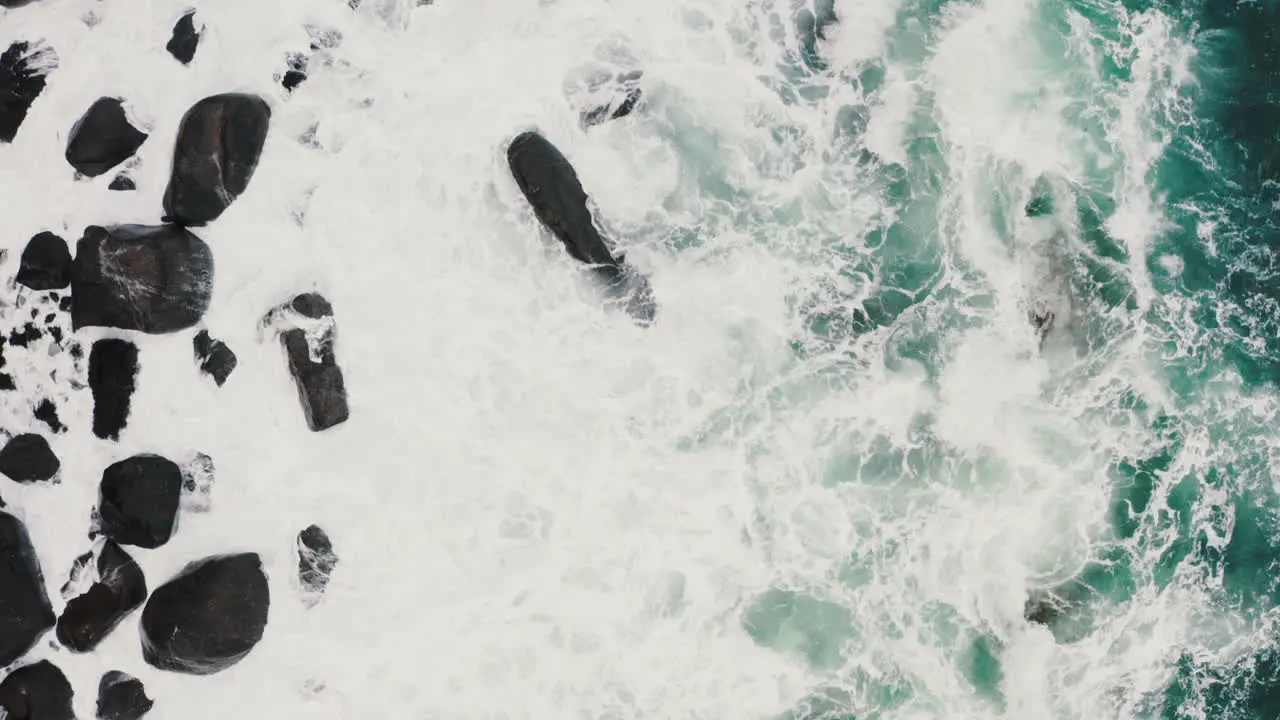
(215, 358)
(102, 138)
(27, 458)
(113, 369)
(122, 183)
(122, 697)
(208, 617)
(219, 143)
(182, 46)
(24, 605)
(316, 561)
(138, 500)
(47, 413)
(24, 69)
(308, 336)
(15, 3)
(46, 263)
(38, 691)
(152, 279)
(119, 590)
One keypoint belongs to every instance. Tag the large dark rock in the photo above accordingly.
(316, 561)
(215, 358)
(308, 338)
(122, 697)
(182, 46)
(46, 263)
(153, 279)
(219, 142)
(27, 458)
(119, 590)
(113, 369)
(38, 691)
(25, 613)
(102, 138)
(208, 617)
(24, 68)
(138, 500)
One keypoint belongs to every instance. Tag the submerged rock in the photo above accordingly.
(38, 691)
(309, 350)
(153, 279)
(613, 97)
(215, 358)
(24, 69)
(208, 617)
(27, 458)
(102, 138)
(219, 142)
(24, 604)
(119, 590)
(296, 72)
(113, 369)
(122, 697)
(138, 500)
(46, 263)
(182, 46)
(197, 483)
(316, 562)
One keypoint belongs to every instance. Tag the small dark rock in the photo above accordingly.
(208, 617)
(47, 413)
(215, 358)
(219, 143)
(182, 46)
(46, 263)
(309, 350)
(64, 304)
(113, 369)
(297, 72)
(24, 606)
(102, 138)
(138, 500)
(153, 279)
(56, 333)
(316, 560)
(119, 590)
(24, 337)
(122, 697)
(312, 305)
(28, 458)
(38, 691)
(24, 69)
(122, 183)
(6, 382)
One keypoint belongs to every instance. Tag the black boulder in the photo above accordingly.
(120, 589)
(122, 697)
(102, 138)
(138, 500)
(24, 69)
(152, 279)
(27, 458)
(215, 358)
(182, 46)
(24, 605)
(309, 351)
(316, 560)
(38, 691)
(46, 263)
(208, 617)
(113, 369)
(219, 143)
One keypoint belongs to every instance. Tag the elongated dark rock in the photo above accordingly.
(219, 142)
(215, 358)
(24, 68)
(208, 617)
(102, 138)
(24, 605)
(38, 691)
(15, 3)
(113, 369)
(153, 279)
(119, 590)
(27, 458)
(138, 500)
(182, 46)
(122, 697)
(308, 341)
(316, 561)
(46, 263)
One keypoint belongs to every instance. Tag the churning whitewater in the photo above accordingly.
(940, 385)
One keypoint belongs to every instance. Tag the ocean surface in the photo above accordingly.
(844, 476)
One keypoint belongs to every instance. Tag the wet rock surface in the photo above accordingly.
(113, 370)
(182, 45)
(316, 562)
(308, 333)
(220, 140)
(122, 697)
(39, 691)
(24, 69)
(120, 589)
(24, 605)
(152, 279)
(27, 458)
(208, 617)
(138, 500)
(215, 358)
(102, 138)
(46, 263)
